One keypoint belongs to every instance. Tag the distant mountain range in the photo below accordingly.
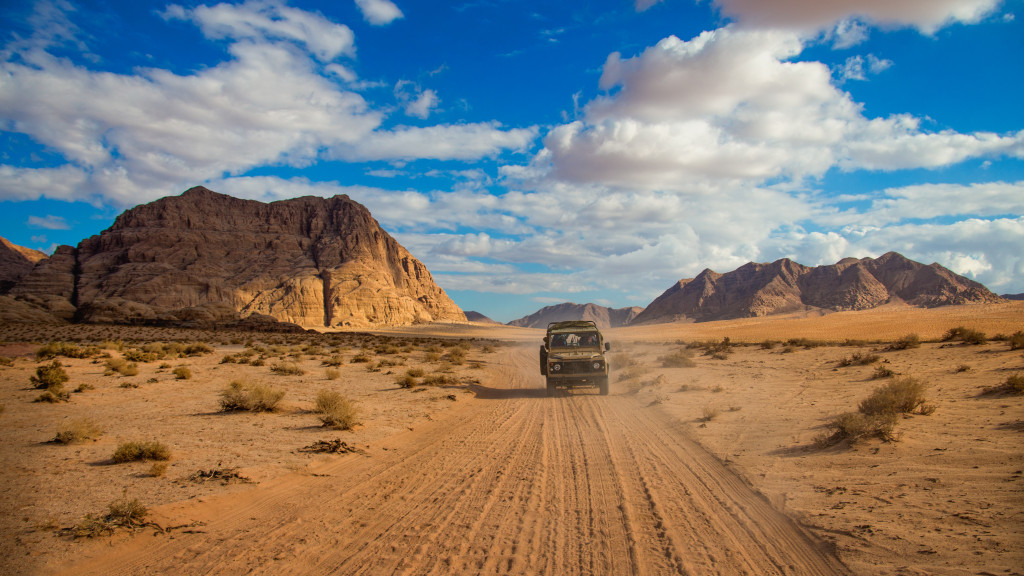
(604, 317)
(206, 259)
(784, 286)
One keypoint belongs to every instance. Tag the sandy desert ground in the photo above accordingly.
(707, 469)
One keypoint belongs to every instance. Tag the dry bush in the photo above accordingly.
(49, 375)
(78, 430)
(120, 366)
(882, 372)
(901, 396)
(906, 342)
(332, 374)
(136, 451)
(182, 373)
(158, 469)
(1016, 340)
(859, 359)
(287, 368)
(406, 381)
(362, 358)
(54, 349)
(768, 344)
(1013, 385)
(335, 360)
(456, 356)
(5, 361)
(681, 358)
(440, 380)
(708, 413)
(241, 396)
(962, 368)
(854, 426)
(122, 513)
(335, 410)
(965, 335)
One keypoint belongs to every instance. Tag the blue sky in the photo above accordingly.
(532, 153)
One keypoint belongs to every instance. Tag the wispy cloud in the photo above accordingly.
(48, 222)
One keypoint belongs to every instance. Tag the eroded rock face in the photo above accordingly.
(15, 262)
(785, 286)
(310, 261)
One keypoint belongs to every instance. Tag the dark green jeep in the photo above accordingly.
(572, 356)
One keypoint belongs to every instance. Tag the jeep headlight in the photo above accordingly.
(597, 365)
(556, 367)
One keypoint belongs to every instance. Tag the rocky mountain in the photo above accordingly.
(602, 316)
(1014, 296)
(15, 262)
(785, 286)
(202, 256)
(474, 316)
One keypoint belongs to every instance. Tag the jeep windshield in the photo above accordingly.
(577, 339)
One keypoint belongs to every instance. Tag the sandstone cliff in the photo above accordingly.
(15, 262)
(604, 317)
(310, 261)
(785, 286)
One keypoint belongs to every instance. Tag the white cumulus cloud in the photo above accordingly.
(379, 12)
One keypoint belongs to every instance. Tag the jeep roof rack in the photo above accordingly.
(572, 325)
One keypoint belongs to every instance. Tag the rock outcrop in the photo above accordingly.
(785, 286)
(310, 261)
(474, 316)
(602, 316)
(15, 262)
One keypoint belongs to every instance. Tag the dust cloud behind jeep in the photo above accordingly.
(572, 356)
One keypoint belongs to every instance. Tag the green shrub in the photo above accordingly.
(136, 451)
(335, 410)
(240, 396)
(54, 349)
(121, 367)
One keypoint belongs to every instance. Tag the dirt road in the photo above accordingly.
(511, 483)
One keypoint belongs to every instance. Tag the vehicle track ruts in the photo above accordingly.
(513, 483)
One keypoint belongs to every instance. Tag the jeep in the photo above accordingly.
(572, 356)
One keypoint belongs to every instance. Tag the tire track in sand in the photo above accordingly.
(512, 483)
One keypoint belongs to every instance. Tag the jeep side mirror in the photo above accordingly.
(607, 346)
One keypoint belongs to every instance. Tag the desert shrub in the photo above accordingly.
(901, 396)
(182, 373)
(859, 359)
(855, 426)
(335, 360)
(1016, 340)
(681, 358)
(335, 410)
(54, 394)
(5, 361)
(456, 356)
(120, 366)
(83, 387)
(54, 349)
(1013, 385)
(287, 368)
(139, 355)
(49, 376)
(406, 381)
(906, 342)
(158, 469)
(708, 413)
(962, 368)
(229, 359)
(768, 344)
(362, 358)
(241, 396)
(137, 451)
(415, 372)
(332, 374)
(440, 380)
(805, 343)
(122, 513)
(197, 349)
(965, 335)
(78, 430)
(882, 372)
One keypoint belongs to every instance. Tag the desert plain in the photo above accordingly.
(721, 461)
